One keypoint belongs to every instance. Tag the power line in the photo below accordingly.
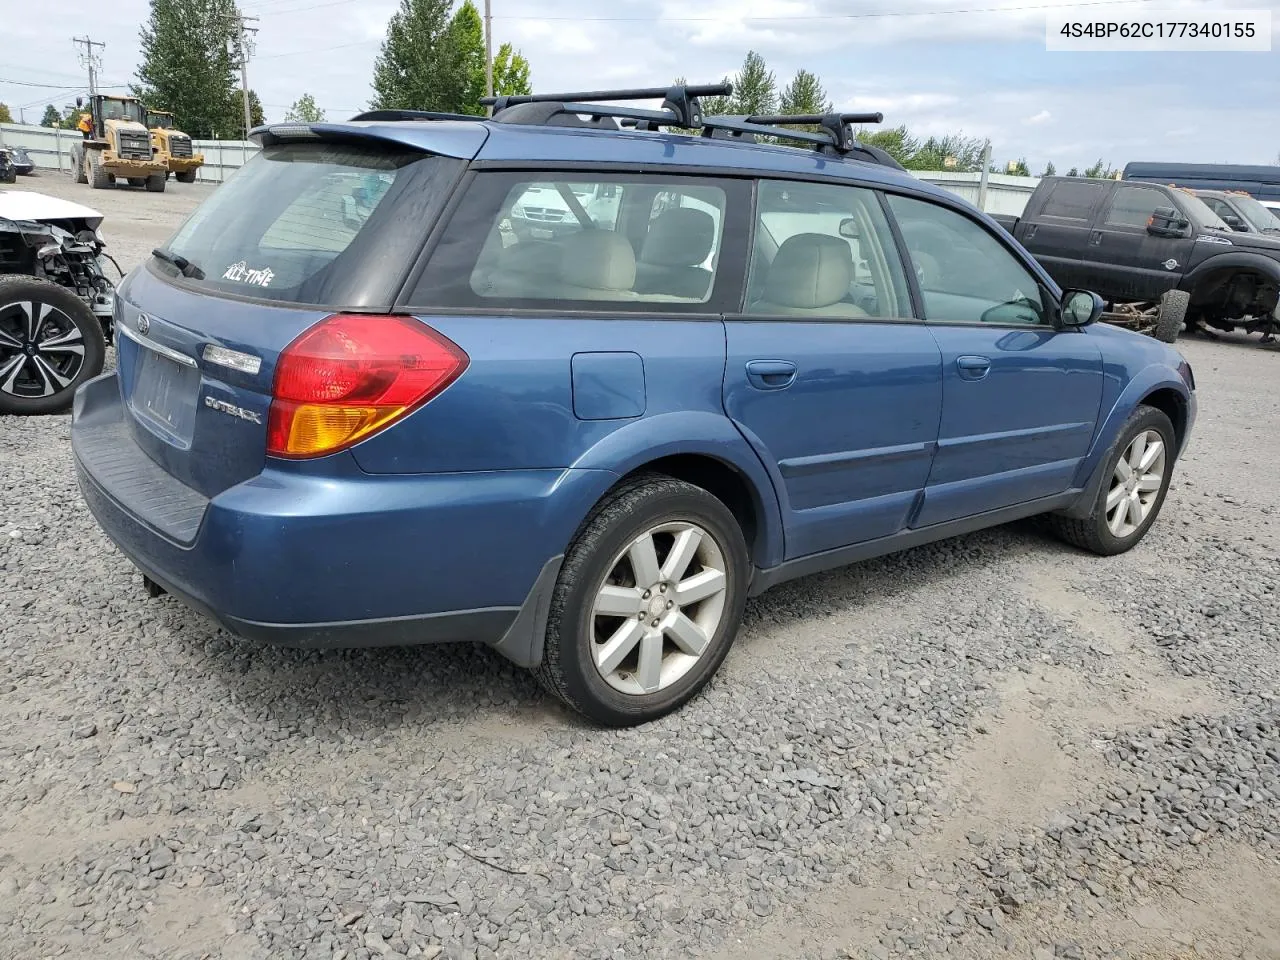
(90, 59)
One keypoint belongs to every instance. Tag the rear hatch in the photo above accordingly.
(307, 229)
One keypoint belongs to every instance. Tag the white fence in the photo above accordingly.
(51, 150)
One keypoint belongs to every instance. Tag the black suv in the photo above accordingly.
(1146, 243)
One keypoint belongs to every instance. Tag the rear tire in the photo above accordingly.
(1113, 525)
(1173, 312)
(156, 182)
(99, 179)
(69, 346)
(82, 168)
(187, 177)
(688, 584)
(10, 175)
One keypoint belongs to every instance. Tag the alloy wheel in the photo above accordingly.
(1136, 484)
(659, 607)
(41, 350)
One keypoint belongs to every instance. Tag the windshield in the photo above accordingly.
(299, 222)
(1258, 216)
(162, 120)
(122, 110)
(1203, 212)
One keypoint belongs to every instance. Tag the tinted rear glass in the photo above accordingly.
(299, 223)
(1072, 199)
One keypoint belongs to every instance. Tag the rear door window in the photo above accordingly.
(315, 224)
(639, 243)
(1072, 199)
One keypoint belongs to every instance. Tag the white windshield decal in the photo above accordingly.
(242, 273)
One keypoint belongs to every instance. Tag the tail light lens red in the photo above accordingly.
(352, 375)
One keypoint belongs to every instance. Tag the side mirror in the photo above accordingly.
(1166, 222)
(1235, 223)
(1079, 308)
(79, 101)
(849, 229)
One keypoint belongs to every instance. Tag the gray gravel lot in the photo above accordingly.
(992, 746)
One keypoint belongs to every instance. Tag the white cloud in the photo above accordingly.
(1041, 117)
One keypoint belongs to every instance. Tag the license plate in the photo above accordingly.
(164, 393)
(541, 233)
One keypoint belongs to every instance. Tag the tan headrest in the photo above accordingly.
(809, 271)
(598, 260)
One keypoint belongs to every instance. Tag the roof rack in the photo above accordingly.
(681, 108)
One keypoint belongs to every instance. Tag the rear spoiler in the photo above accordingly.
(461, 140)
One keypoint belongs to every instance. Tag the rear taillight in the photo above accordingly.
(351, 375)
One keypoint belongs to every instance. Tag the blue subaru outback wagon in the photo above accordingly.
(577, 380)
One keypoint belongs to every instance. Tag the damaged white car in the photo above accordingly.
(55, 301)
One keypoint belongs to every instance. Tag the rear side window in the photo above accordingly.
(1072, 199)
(316, 224)
(637, 242)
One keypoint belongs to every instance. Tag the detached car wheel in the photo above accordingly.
(155, 183)
(1138, 472)
(647, 604)
(1172, 315)
(50, 343)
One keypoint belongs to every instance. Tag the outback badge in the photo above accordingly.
(213, 403)
(144, 324)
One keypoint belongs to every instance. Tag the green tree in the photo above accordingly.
(189, 65)
(462, 83)
(1100, 171)
(1073, 172)
(804, 94)
(5, 115)
(1019, 168)
(410, 72)
(256, 116)
(896, 141)
(933, 154)
(51, 118)
(755, 90)
(510, 73)
(304, 110)
(1050, 170)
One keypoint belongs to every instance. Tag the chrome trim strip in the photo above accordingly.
(159, 348)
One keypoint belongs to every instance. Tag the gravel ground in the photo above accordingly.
(991, 746)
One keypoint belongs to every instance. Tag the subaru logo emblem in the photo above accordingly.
(144, 324)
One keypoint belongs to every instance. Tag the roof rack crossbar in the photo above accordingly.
(837, 125)
(744, 125)
(680, 100)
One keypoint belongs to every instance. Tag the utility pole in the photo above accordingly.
(245, 47)
(982, 182)
(90, 59)
(488, 53)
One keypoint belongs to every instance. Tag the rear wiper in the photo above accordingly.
(185, 266)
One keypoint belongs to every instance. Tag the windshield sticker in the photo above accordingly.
(241, 273)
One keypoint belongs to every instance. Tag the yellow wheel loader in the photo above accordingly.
(173, 146)
(117, 146)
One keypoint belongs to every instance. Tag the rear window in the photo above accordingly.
(315, 224)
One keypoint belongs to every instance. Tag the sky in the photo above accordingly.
(977, 67)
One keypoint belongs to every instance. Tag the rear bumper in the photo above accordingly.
(342, 559)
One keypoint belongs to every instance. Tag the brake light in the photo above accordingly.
(352, 375)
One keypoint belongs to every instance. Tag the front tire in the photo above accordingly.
(50, 343)
(647, 604)
(99, 179)
(1138, 473)
(156, 182)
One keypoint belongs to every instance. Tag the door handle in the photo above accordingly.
(1031, 230)
(771, 374)
(1095, 238)
(973, 368)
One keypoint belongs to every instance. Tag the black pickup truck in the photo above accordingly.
(1144, 243)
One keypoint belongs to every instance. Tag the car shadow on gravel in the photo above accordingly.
(383, 689)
